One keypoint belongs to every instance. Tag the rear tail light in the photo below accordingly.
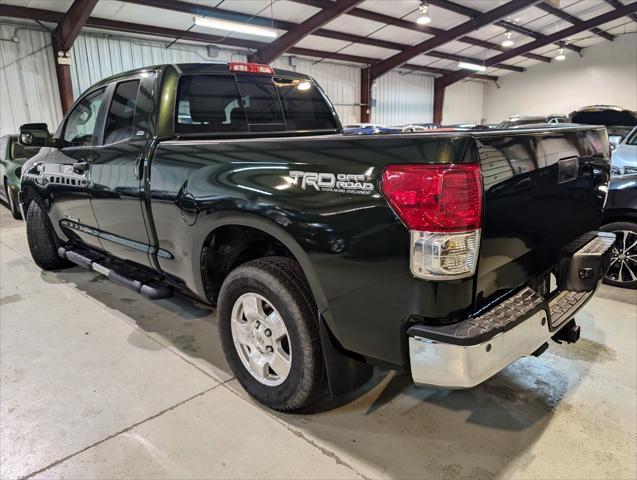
(442, 207)
(250, 68)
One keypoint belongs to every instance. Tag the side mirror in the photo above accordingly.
(34, 135)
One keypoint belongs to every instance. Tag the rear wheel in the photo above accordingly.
(12, 201)
(42, 240)
(623, 266)
(269, 333)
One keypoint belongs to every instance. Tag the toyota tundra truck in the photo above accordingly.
(446, 256)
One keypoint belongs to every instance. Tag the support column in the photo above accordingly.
(366, 96)
(62, 40)
(63, 74)
(439, 99)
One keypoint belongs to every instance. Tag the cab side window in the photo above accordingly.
(121, 116)
(80, 124)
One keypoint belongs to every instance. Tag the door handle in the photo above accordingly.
(80, 167)
(138, 167)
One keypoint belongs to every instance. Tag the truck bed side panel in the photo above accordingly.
(356, 245)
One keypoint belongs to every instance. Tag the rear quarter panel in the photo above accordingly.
(353, 248)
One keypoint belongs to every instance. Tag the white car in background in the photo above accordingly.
(624, 157)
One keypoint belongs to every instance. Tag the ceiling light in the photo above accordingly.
(230, 26)
(507, 42)
(560, 56)
(424, 18)
(304, 86)
(472, 66)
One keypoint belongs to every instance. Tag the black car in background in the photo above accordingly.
(521, 120)
(617, 120)
(620, 217)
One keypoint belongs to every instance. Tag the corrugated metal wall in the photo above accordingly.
(28, 86)
(400, 98)
(464, 103)
(99, 56)
(342, 83)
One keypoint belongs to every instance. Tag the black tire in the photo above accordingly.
(42, 240)
(623, 269)
(12, 201)
(281, 281)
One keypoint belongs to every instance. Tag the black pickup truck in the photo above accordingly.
(444, 255)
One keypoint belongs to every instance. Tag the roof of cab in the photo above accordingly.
(197, 68)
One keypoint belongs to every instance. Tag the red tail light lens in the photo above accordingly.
(250, 68)
(435, 198)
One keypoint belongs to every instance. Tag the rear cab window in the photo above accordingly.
(221, 103)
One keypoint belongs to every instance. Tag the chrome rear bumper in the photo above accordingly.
(467, 353)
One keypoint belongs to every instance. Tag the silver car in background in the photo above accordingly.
(624, 156)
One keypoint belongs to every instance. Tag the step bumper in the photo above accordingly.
(465, 354)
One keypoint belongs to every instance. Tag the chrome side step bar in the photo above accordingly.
(148, 289)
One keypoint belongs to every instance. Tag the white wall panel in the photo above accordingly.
(28, 85)
(607, 74)
(341, 83)
(464, 103)
(399, 99)
(98, 56)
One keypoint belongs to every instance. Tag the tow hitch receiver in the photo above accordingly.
(570, 333)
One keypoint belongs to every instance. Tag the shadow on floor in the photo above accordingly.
(387, 427)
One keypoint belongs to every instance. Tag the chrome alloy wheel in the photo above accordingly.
(261, 339)
(623, 264)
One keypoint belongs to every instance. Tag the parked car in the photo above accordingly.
(324, 253)
(12, 157)
(521, 120)
(624, 157)
(369, 129)
(617, 120)
(413, 128)
(620, 218)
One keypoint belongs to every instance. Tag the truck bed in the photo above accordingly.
(544, 190)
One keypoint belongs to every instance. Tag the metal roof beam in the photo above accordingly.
(197, 9)
(453, 34)
(48, 16)
(472, 13)
(557, 12)
(617, 4)
(461, 58)
(406, 24)
(625, 10)
(286, 41)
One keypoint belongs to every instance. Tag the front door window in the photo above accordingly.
(80, 125)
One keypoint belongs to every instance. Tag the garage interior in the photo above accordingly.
(98, 382)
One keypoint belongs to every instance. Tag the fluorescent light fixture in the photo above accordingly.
(230, 26)
(507, 42)
(560, 56)
(424, 17)
(472, 66)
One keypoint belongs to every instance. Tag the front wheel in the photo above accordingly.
(269, 332)
(42, 240)
(623, 265)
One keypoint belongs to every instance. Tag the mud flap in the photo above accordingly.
(344, 373)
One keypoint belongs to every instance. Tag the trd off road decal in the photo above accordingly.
(351, 183)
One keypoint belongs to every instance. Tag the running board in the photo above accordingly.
(150, 291)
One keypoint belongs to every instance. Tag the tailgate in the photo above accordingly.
(543, 198)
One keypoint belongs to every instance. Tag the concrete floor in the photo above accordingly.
(97, 382)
